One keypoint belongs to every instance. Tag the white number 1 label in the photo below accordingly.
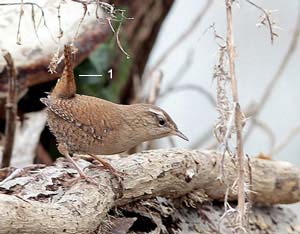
(110, 73)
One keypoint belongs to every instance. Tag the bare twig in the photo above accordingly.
(265, 18)
(180, 39)
(238, 116)
(35, 26)
(282, 66)
(19, 24)
(32, 4)
(80, 22)
(273, 82)
(11, 110)
(118, 40)
(61, 32)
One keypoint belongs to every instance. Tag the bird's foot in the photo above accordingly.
(108, 166)
(117, 174)
(114, 172)
(81, 178)
(63, 150)
(89, 179)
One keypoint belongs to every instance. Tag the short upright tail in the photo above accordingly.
(66, 86)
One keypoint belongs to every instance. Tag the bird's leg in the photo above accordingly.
(107, 166)
(63, 150)
(113, 171)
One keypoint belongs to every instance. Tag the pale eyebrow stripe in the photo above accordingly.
(158, 112)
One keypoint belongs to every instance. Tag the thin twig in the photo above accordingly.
(32, 4)
(250, 178)
(266, 17)
(118, 40)
(238, 116)
(291, 50)
(11, 111)
(180, 39)
(274, 81)
(61, 32)
(81, 21)
(34, 24)
(254, 111)
(19, 39)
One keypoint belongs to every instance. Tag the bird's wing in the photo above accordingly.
(86, 113)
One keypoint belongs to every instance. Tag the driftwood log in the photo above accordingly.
(40, 199)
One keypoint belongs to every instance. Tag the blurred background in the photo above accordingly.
(257, 62)
(162, 52)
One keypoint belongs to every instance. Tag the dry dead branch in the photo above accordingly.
(265, 19)
(49, 200)
(238, 118)
(278, 74)
(11, 111)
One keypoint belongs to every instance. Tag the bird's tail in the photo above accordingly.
(66, 86)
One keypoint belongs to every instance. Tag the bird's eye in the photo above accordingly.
(161, 121)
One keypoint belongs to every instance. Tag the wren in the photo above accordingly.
(93, 126)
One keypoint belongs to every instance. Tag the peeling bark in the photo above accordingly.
(52, 199)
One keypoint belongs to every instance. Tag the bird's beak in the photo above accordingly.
(180, 134)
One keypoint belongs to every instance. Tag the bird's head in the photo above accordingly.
(154, 122)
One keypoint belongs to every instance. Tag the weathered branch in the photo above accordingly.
(11, 111)
(238, 117)
(42, 200)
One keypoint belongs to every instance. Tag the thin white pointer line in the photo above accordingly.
(90, 75)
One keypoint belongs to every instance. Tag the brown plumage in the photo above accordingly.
(90, 125)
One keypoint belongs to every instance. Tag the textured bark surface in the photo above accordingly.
(169, 217)
(51, 200)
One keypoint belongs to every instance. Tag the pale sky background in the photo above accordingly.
(256, 63)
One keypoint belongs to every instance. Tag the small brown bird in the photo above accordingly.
(89, 125)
